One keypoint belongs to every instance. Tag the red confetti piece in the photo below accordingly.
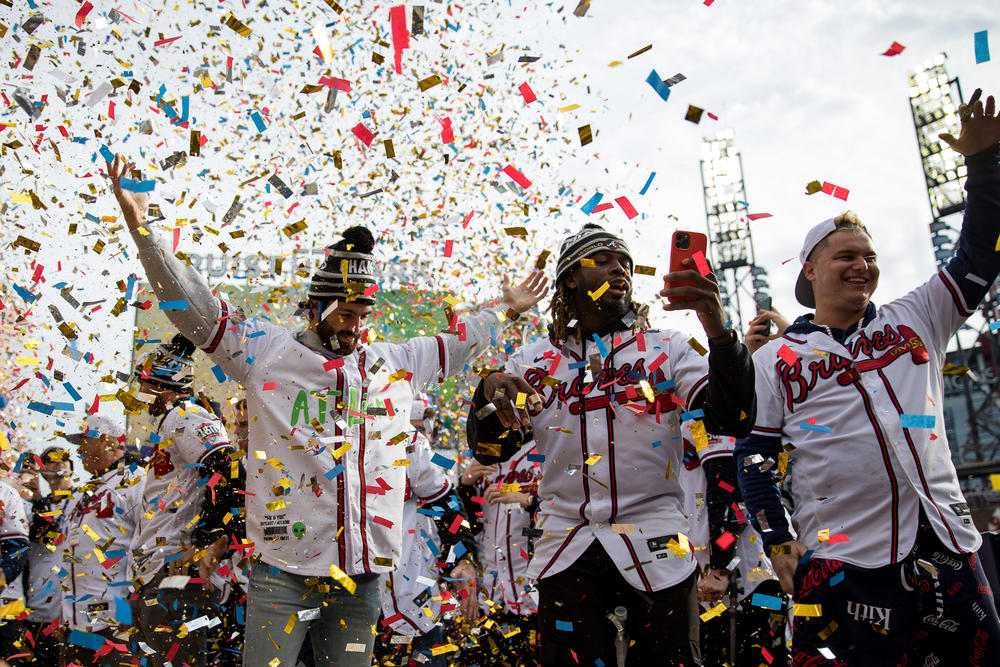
(838, 538)
(788, 355)
(448, 246)
(835, 190)
(81, 14)
(602, 207)
(527, 92)
(465, 223)
(627, 207)
(447, 134)
(332, 364)
(334, 82)
(894, 49)
(701, 263)
(363, 133)
(657, 362)
(400, 35)
(161, 42)
(269, 386)
(382, 521)
(517, 176)
(758, 216)
(726, 486)
(725, 540)
(455, 524)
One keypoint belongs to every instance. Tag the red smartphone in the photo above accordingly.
(682, 246)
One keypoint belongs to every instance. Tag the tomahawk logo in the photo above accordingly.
(872, 614)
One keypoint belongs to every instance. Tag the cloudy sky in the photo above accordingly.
(801, 83)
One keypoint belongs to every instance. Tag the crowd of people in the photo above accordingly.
(625, 500)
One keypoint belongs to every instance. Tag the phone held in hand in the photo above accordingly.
(684, 245)
(764, 303)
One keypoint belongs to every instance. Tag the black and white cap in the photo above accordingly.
(590, 240)
(348, 271)
(170, 365)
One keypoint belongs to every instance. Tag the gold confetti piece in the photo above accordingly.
(827, 631)
(27, 361)
(699, 435)
(807, 610)
(513, 487)
(26, 243)
(386, 562)
(521, 400)
(641, 51)
(540, 262)
(516, 231)
(600, 290)
(954, 369)
(341, 578)
(694, 114)
(340, 451)
(390, 152)
(445, 648)
(585, 135)
(647, 390)
(429, 82)
(995, 481)
(294, 228)
(713, 612)
(823, 535)
(334, 6)
(812, 187)
(623, 528)
(194, 146)
(645, 270)
(405, 463)
(698, 347)
(237, 25)
(588, 262)
(593, 459)
(571, 107)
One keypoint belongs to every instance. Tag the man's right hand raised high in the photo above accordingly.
(133, 204)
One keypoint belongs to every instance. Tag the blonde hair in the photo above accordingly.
(848, 220)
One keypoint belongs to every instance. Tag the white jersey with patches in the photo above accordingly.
(325, 432)
(43, 594)
(410, 593)
(864, 464)
(611, 467)
(14, 526)
(186, 435)
(504, 549)
(100, 524)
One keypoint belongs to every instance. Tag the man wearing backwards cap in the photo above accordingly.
(190, 490)
(602, 395)
(327, 421)
(110, 506)
(884, 569)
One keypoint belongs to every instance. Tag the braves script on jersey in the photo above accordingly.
(608, 451)
(102, 516)
(325, 431)
(504, 551)
(861, 469)
(186, 435)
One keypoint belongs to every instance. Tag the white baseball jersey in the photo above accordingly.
(325, 433)
(44, 589)
(412, 588)
(13, 527)
(867, 425)
(187, 434)
(752, 564)
(611, 467)
(504, 551)
(101, 520)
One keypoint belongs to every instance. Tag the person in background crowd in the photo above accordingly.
(101, 519)
(13, 559)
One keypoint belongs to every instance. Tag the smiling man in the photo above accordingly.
(883, 569)
(602, 396)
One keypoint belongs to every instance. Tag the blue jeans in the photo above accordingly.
(276, 595)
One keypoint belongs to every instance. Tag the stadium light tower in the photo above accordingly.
(728, 226)
(934, 101)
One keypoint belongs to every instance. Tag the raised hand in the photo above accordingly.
(503, 390)
(531, 290)
(493, 495)
(980, 126)
(756, 334)
(133, 204)
(701, 296)
(477, 470)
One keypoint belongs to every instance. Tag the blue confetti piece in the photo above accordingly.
(220, 375)
(766, 601)
(64, 406)
(443, 461)
(174, 305)
(601, 347)
(837, 578)
(648, 182)
(86, 639)
(916, 421)
(806, 426)
(662, 89)
(123, 613)
(994, 326)
(107, 154)
(540, 458)
(255, 117)
(663, 386)
(24, 294)
(137, 186)
(72, 391)
(982, 47)
(694, 414)
(588, 206)
(44, 408)
(658, 443)
(334, 471)
(128, 287)
(577, 364)
(565, 626)
(743, 203)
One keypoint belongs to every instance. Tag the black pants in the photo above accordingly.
(573, 617)
(74, 653)
(172, 608)
(760, 634)
(933, 608)
(45, 651)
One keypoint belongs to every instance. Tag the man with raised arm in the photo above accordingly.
(884, 569)
(328, 415)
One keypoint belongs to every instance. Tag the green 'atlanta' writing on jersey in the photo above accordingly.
(355, 415)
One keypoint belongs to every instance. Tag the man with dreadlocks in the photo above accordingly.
(190, 489)
(601, 397)
(328, 414)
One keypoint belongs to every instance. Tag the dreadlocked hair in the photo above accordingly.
(563, 312)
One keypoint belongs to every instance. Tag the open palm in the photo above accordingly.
(980, 126)
(133, 204)
(531, 290)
